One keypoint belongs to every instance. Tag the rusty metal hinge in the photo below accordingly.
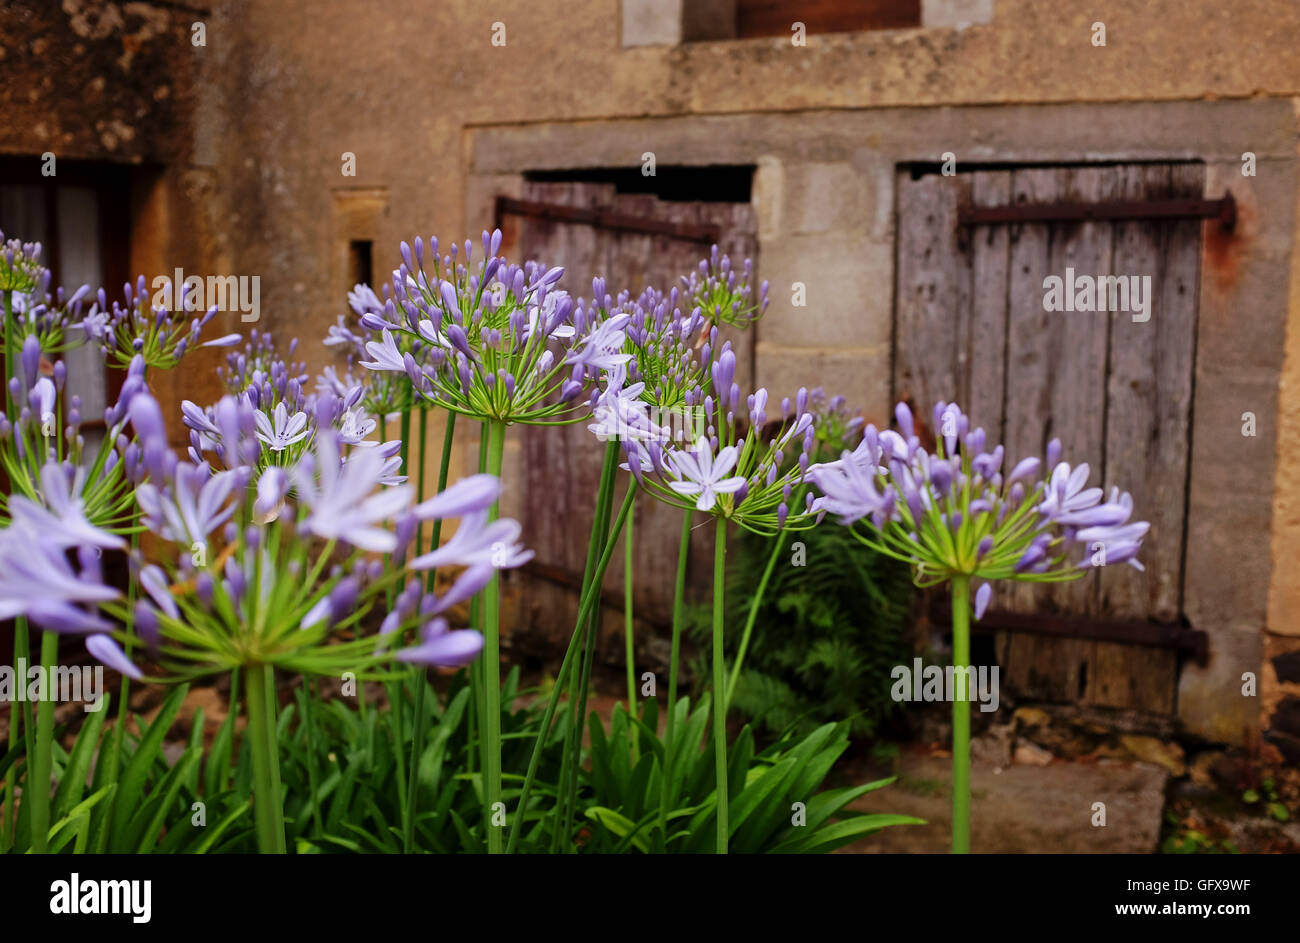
(604, 219)
(1224, 210)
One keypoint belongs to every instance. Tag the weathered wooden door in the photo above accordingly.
(971, 327)
(562, 464)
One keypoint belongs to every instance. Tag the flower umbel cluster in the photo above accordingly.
(267, 575)
(493, 340)
(739, 467)
(31, 309)
(723, 295)
(954, 513)
(132, 327)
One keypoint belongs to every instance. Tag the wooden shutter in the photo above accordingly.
(971, 327)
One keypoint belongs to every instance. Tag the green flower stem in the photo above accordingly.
(573, 743)
(308, 710)
(476, 666)
(396, 689)
(124, 688)
(37, 793)
(719, 682)
(590, 601)
(566, 680)
(496, 433)
(679, 609)
(421, 681)
(778, 544)
(960, 717)
(268, 813)
(16, 728)
(629, 629)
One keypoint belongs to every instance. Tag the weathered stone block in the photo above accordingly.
(844, 282)
(861, 374)
(956, 12)
(652, 22)
(1210, 702)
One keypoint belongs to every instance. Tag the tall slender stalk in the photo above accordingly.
(421, 681)
(960, 716)
(11, 355)
(15, 725)
(629, 630)
(114, 759)
(308, 710)
(396, 689)
(37, 793)
(778, 542)
(573, 740)
(719, 682)
(590, 600)
(268, 813)
(679, 610)
(496, 433)
(19, 724)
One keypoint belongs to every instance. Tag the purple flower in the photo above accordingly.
(342, 499)
(192, 507)
(602, 348)
(230, 340)
(272, 488)
(702, 474)
(386, 354)
(61, 521)
(111, 655)
(284, 430)
(471, 495)
(442, 648)
(477, 541)
(848, 489)
(37, 580)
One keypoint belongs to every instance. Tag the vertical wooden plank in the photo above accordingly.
(985, 367)
(1038, 365)
(1077, 352)
(1149, 396)
(934, 285)
(1026, 408)
(1148, 421)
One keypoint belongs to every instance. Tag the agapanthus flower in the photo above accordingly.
(698, 473)
(281, 430)
(952, 512)
(741, 468)
(270, 391)
(43, 451)
(244, 575)
(27, 301)
(134, 327)
(487, 339)
(723, 295)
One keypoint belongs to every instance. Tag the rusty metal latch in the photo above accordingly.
(1224, 210)
(603, 219)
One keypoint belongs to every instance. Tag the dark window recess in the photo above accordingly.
(360, 262)
(756, 18)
